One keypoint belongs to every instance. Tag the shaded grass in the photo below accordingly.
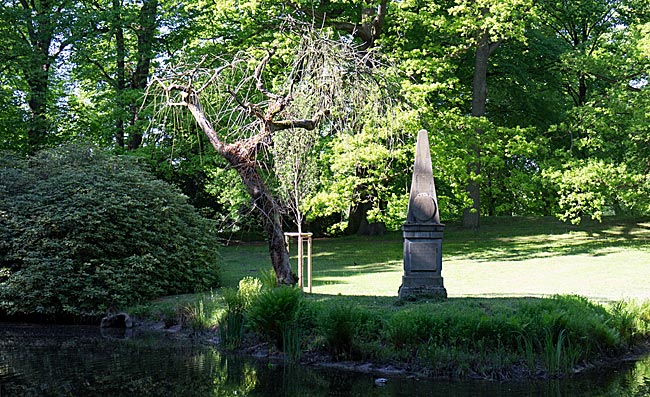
(511, 256)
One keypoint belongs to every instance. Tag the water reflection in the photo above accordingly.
(78, 361)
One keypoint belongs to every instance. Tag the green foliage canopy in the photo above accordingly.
(568, 97)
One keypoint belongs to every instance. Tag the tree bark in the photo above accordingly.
(37, 74)
(120, 74)
(38, 82)
(358, 221)
(268, 208)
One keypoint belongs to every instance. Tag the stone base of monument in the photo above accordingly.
(422, 262)
(421, 288)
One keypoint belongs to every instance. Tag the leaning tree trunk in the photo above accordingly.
(240, 155)
(268, 208)
(269, 118)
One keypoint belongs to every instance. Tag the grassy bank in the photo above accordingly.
(488, 338)
(508, 314)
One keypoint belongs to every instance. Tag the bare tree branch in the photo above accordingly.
(307, 124)
(258, 76)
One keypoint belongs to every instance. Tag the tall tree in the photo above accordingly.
(602, 144)
(325, 81)
(583, 26)
(486, 23)
(118, 58)
(35, 34)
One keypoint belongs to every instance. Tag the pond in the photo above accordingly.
(80, 361)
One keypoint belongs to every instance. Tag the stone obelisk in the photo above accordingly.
(422, 231)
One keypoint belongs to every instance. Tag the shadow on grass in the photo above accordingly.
(386, 302)
(500, 239)
(522, 238)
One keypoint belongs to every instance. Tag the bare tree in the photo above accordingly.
(240, 111)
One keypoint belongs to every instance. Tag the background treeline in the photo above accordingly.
(534, 108)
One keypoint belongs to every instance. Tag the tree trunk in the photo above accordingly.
(358, 222)
(120, 75)
(38, 83)
(471, 215)
(269, 210)
(240, 155)
(146, 34)
(38, 80)
(582, 90)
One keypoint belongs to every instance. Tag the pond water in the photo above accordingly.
(79, 361)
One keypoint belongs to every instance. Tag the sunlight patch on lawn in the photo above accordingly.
(610, 276)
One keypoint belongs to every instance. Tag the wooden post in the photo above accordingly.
(300, 262)
(309, 279)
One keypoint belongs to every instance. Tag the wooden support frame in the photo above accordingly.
(301, 237)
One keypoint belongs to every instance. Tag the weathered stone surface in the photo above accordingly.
(422, 231)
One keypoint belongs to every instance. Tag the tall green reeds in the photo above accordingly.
(559, 355)
(199, 315)
(237, 302)
(292, 342)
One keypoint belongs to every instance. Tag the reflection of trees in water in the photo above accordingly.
(90, 366)
(636, 382)
(69, 363)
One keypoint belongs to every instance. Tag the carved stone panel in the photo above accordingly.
(423, 256)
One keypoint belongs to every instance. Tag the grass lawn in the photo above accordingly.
(509, 257)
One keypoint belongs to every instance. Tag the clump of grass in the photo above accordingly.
(168, 310)
(267, 279)
(632, 319)
(231, 330)
(558, 354)
(196, 316)
(275, 310)
(526, 350)
(237, 302)
(201, 314)
(270, 311)
(339, 326)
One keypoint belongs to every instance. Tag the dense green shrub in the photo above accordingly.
(83, 231)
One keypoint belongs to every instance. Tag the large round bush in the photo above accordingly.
(83, 231)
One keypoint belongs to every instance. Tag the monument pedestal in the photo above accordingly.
(422, 261)
(422, 231)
